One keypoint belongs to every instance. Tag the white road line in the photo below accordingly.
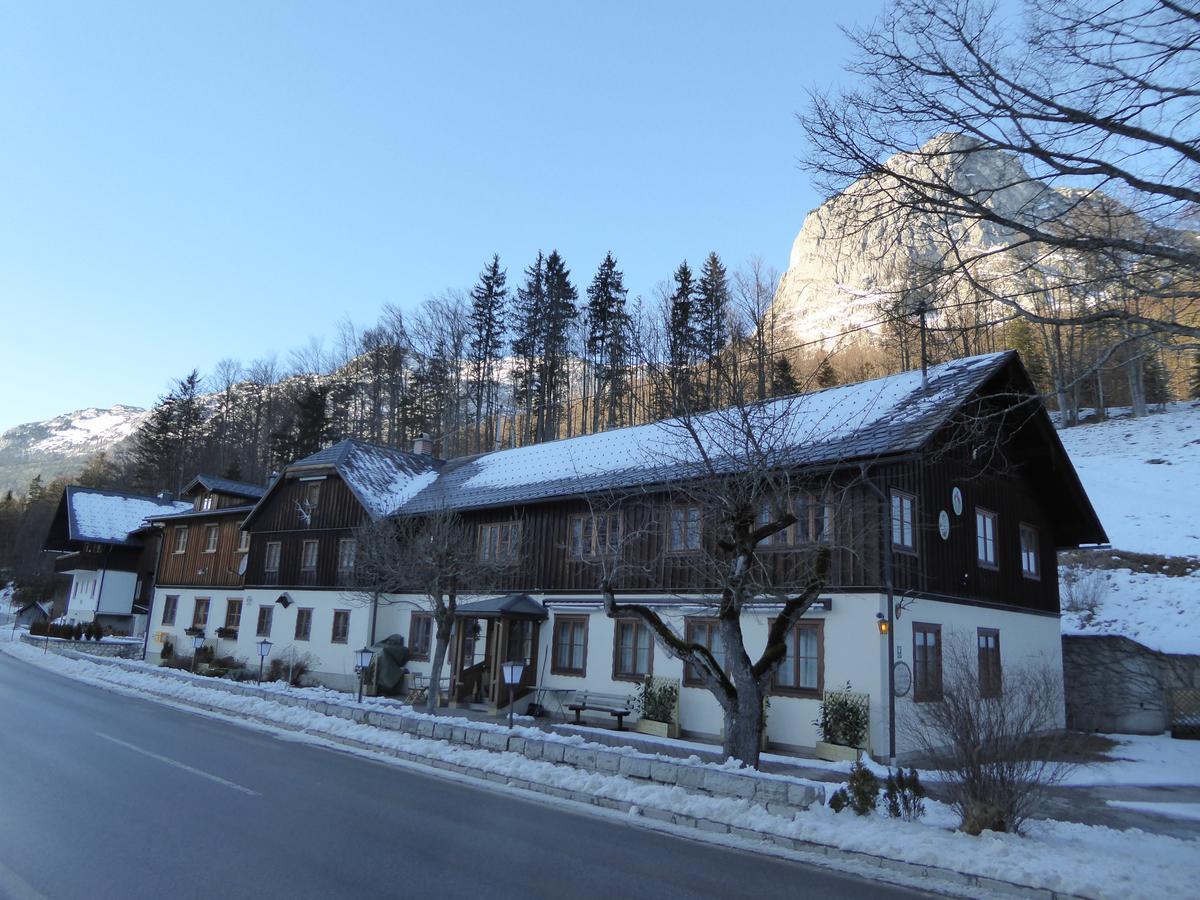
(14, 887)
(173, 762)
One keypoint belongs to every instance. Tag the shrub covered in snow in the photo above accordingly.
(861, 793)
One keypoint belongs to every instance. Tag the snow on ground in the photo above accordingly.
(1158, 611)
(1089, 860)
(1143, 477)
(1143, 760)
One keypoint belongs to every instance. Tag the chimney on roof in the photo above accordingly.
(165, 495)
(423, 444)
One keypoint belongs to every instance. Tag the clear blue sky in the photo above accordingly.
(185, 182)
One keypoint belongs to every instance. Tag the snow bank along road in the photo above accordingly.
(108, 796)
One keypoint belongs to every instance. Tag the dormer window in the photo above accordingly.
(312, 494)
(207, 502)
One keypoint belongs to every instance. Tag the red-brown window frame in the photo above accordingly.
(818, 626)
(568, 620)
(991, 683)
(344, 615)
(927, 696)
(691, 627)
(415, 650)
(300, 616)
(634, 677)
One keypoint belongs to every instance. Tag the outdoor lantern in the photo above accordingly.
(197, 643)
(512, 672)
(264, 650)
(365, 655)
(882, 623)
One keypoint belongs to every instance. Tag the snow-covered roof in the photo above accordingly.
(382, 478)
(885, 416)
(228, 486)
(110, 517)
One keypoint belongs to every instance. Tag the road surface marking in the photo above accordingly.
(173, 762)
(14, 887)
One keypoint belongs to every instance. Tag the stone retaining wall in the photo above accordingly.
(779, 794)
(108, 649)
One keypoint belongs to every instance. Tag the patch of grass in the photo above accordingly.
(1146, 563)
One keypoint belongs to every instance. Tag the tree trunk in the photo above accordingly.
(435, 671)
(744, 724)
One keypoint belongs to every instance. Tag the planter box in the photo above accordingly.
(837, 753)
(658, 729)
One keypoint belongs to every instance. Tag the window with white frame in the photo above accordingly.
(243, 542)
(211, 534)
(181, 534)
(347, 549)
(985, 538)
(904, 517)
(271, 557)
(308, 557)
(1030, 559)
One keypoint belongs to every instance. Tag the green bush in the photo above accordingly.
(168, 650)
(904, 795)
(656, 700)
(844, 719)
(861, 794)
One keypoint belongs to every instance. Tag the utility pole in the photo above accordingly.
(922, 308)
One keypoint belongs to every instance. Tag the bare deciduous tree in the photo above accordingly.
(433, 554)
(1095, 105)
(998, 746)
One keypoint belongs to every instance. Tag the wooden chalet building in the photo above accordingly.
(107, 554)
(941, 504)
(202, 567)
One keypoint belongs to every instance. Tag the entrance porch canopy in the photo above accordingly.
(513, 625)
(510, 606)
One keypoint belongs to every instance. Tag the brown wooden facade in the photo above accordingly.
(196, 566)
(289, 518)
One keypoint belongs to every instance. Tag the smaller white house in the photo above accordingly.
(107, 553)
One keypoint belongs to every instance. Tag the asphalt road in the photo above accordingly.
(102, 795)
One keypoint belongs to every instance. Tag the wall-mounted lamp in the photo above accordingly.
(882, 622)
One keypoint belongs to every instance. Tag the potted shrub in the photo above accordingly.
(657, 704)
(844, 720)
(194, 631)
(228, 634)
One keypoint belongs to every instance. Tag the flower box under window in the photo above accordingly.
(229, 634)
(194, 631)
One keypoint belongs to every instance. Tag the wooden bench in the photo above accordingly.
(592, 701)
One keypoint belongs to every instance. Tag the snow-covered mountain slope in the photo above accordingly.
(1143, 477)
(64, 444)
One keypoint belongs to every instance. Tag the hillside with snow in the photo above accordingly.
(1143, 477)
(63, 445)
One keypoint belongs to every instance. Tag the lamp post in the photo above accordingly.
(264, 650)
(365, 655)
(512, 670)
(197, 643)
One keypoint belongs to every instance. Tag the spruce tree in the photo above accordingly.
(607, 334)
(681, 340)
(826, 376)
(711, 318)
(527, 339)
(783, 379)
(488, 299)
(559, 315)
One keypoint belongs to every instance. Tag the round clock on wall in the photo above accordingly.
(901, 678)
